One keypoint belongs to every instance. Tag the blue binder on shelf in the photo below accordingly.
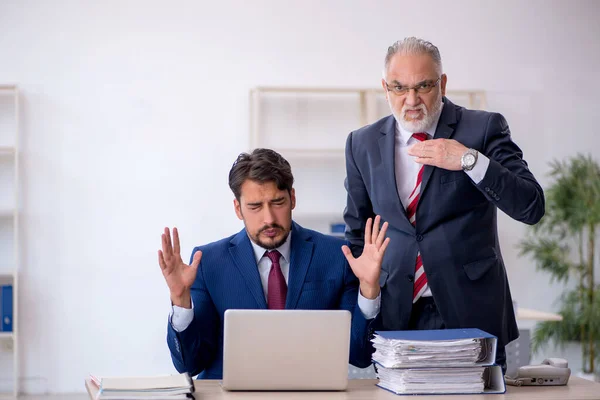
(337, 229)
(6, 308)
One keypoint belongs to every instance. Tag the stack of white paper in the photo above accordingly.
(169, 387)
(437, 362)
(436, 381)
(399, 353)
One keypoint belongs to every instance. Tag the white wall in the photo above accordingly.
(133, 112)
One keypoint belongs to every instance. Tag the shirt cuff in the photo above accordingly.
(478, 172)
(369, 307)
(181, 318)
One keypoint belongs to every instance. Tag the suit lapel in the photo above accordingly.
(301, 250)
(444, 130)
(243, 256)
(387, 148)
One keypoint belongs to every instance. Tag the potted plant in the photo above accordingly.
(563, 243)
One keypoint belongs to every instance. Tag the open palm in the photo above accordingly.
(178, 275)
(367, 267)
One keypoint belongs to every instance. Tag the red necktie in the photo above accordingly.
(277, 288)
(411, 212)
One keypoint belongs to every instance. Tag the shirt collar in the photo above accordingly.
(284, 249)
(405, 135)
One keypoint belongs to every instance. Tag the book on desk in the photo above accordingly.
(448, 361)
(165, 387)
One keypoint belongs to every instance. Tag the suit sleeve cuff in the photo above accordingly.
(181, 318)
(369, 307)
(479, 170)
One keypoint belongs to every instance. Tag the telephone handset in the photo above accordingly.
(551, 372)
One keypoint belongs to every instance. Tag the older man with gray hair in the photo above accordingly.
(437, 173)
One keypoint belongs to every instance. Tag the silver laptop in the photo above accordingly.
(286, 349)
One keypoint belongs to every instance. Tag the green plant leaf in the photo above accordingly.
(572, 217)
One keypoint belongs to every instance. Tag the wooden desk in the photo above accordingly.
(535, 315)
(365, 389)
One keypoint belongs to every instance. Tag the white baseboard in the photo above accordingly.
(31, 385)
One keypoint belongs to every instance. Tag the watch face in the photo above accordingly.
(469, 159)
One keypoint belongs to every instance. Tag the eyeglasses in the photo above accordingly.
(421, 88)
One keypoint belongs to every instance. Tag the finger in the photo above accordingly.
(435, 151)
(165, 247)
(168, 233)
(431, 144)
(414, 149)
(368, 231)
(425, 161)
(375, 232)
(421, 153)
(384, 246)
(426, 153)
(169, 244)
(381, 236)
(161, 260)
(196, 259)
(417, 148)
(348, 254)
(175, 241)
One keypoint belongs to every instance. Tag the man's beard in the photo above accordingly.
(270, 245)
(429, 116)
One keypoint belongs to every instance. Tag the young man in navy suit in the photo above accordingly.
(437, 173)
(272, 263)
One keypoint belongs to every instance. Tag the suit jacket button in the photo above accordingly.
(410, 278)
(419, 238)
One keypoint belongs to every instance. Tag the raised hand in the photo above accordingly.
(441, 153)
(367, 267)
(178, 275)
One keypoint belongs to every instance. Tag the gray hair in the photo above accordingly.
(413, 45)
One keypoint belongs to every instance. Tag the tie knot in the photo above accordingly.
(420, 136)
(273, 256)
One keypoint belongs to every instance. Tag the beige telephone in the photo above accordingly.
(552, 372)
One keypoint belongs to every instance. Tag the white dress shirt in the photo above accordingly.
(181, 317)
(407, 169)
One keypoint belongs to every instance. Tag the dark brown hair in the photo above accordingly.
(262, 166)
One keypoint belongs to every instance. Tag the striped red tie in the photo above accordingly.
(411, 212)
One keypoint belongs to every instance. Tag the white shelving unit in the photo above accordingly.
(367, 105)
(9, 230)
(309, 127)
